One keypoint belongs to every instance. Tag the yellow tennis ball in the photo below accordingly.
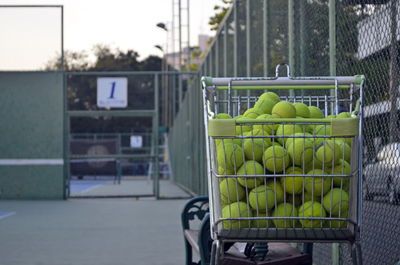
(311, 209)
(252, 113)
(301, 151)
(329, 117)
(336, 202)
(278, 189)
(293, 171)
(259, 132)
(284, 109)
(321, 130)
(328, 153)
(302, 110)
(242, 128)
(345, 149)
(276, 159)
(271, 96)
(231, 191)
(254, 149)
(264, 105)
(268, 128)
(293, 185)
(261, 223)
(343, 168)
(229, 141)
(250, 167)
(262, 198)
(223, 171)
(236, 210)
(317, 185)
(222, 116)
(315, 112)
(290, 140)
(344, 115)
(229, 156)
(287, 130)
(309, 197)
(285, 210)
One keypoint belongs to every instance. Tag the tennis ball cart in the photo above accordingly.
(284, 160)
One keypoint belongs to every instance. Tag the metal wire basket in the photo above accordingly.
(278, 178)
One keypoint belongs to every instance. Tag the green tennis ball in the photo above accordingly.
(238, 117)
(293, 171)
(261, 223)
(276, 159)
(278, 189)
(231, 191)
(293, 185)
(321, 130)
(291, 140)
(229, 141)
(328, 153)
(317, 185)
(222, 116)
(262, 198)
(344, 115)
(254, 149)
(250, 167)
(309, 197)
(271, 96)
(268, 128)
(311, 209)
(345, 150)
(229, 156)
(264, 105)
(259, 132)
(336, 202)
(284, 109)
(285, 210)
(287, 130)
(302, 110)
(329, 117)
(242, 128)
(315, 112)
(223, 171)
(343, 168)
(252, 113)
(236, 210)
(301, 151)
(273, 143)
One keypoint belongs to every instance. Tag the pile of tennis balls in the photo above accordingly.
(287, 196)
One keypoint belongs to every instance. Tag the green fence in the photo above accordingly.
(316, 37)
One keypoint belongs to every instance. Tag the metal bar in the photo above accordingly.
(128, 73)
(225, 52)
(30, 6)
(216, 59)
(291, 38)
(66, 132)
(119, 113)
(122, 156)
(235, 38)
(302, 36)
(265, 37)
(332, 37)
(62, 39)
(248, 61)
(180, 36)
(155, 140)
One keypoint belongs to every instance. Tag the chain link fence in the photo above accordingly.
(317, 38)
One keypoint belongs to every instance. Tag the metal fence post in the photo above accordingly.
(156, 183)
(265, 37)
(291, 39)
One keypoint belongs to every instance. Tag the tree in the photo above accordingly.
(221, 11)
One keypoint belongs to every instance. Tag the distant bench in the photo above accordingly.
(197, 238)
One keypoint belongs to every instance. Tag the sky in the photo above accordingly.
(30, 37)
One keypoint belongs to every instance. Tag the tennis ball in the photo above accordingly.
(315, 112)
(229, 141)
(276, 159)
(321, 130)
(262, 198)
(231, 191)
(267, 129)
(238, 117)
(236, 210)
(278, 189)
(271, 96)
(329, 117)
(273, 143)
(315, 198)
(328, 152)
(311, 209)
(290, 140)
(254, 149)
(293, 185)
(293, 171)
(345, 149)
(222, 116)
(344, 115)
(259, 132)
(287, 130)
(261, 223)
(336, 202)
(302, 110)
(343, 168)
(264, 105)
(241, 129)
(229, 156)
(301, 151)
(250, 167)
(317, 185)
(285, 210)
(222, 171)
(251, 113)
(284, 109)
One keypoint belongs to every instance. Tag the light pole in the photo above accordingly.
(164, 68)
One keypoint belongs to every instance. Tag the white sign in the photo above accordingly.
(136, 141)
(112, 92)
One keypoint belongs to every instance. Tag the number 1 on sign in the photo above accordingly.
(112, 90)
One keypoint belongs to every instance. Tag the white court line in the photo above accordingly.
(31, 162)
(91, 188)
(6, 215)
